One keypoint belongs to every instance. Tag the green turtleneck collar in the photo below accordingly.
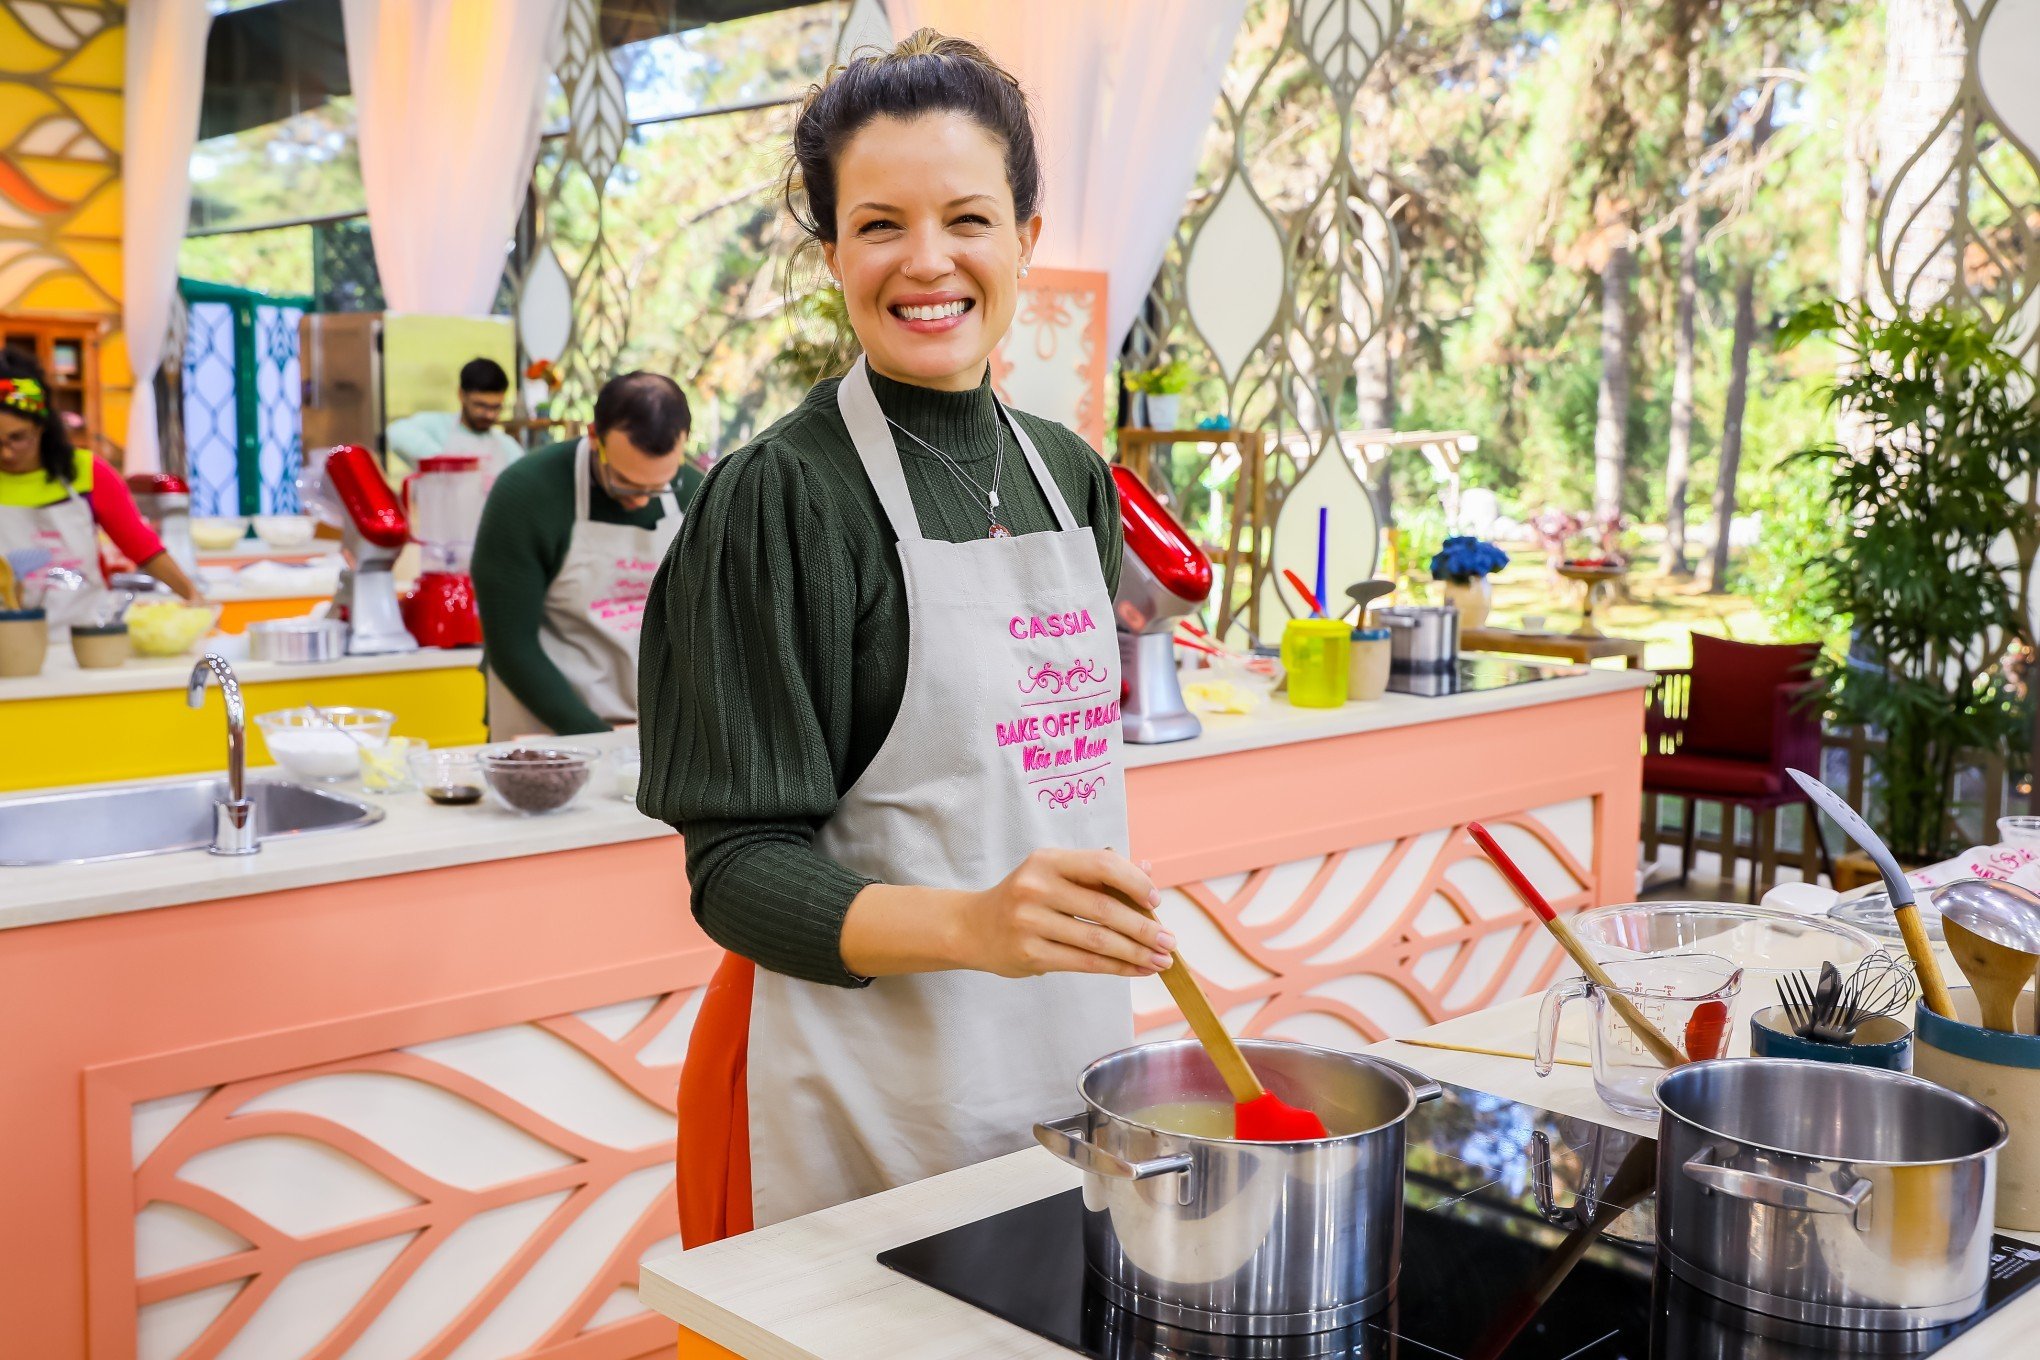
(964, 425)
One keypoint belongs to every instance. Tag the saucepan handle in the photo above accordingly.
(1421, 1087)
(1066, 1139)
(1779, 1192)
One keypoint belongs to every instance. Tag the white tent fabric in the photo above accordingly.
(448, 97)
(1123, 94)
(165, 77)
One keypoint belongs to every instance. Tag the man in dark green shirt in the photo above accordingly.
(564, 558)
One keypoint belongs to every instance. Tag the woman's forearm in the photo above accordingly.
(165, 569)
(895, 928)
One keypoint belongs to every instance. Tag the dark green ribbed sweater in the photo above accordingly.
(775, 648)
(526, 527)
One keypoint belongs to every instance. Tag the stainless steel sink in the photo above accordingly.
(158, 819)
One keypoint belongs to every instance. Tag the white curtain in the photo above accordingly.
(1123, 94)
(165, 76)
(448, 96)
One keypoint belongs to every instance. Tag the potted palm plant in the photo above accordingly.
(1922, 573)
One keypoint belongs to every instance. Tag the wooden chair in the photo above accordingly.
(1724, 731)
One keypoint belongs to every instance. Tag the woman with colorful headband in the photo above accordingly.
(58, 497)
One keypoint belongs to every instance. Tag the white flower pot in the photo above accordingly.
(1162, 409)
(1474, 599)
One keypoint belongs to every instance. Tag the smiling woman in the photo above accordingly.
(927, 944)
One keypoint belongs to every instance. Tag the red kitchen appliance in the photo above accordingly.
(346, 489)
(1163, 576)
(444, 499)
(165, 501)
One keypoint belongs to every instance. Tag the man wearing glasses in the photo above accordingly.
(564, 557)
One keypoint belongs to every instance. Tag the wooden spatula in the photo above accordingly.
(10, 593)
(1258, 1117)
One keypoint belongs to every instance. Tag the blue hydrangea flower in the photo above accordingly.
(1465, 557)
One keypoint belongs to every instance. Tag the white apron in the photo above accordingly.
(71, 534)
(594, 612)
(1007, 741)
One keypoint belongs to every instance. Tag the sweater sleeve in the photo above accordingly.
(744, 721)
(519, 546)
(113, 506)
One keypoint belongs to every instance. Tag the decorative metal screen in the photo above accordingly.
(212, 431)
(242, 421)
(278, 397)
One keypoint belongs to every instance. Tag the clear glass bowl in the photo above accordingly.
(451, 778)
(534, 778)
(1760, 939)
(624, 767)
(169, 627)
(1872, 913)
(309, 747)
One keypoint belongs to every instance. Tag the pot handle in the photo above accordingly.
(1065, 1138)
(1422, 1088)
(1778, 1192)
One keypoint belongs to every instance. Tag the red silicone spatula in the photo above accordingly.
(1258, 1117)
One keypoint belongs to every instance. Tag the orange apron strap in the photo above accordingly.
(712, 1175)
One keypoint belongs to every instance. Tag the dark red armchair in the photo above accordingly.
(1724, 731)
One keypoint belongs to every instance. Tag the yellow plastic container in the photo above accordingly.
(1315, 656)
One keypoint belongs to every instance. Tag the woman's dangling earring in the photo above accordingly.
(1023, 270)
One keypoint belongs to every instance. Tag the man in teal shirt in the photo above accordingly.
(473, 429)
(564, 557)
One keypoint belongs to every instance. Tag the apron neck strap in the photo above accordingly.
(584, 472)
(876, 449)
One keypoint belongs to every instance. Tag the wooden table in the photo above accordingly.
(1581, 650)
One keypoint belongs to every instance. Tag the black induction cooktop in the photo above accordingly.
(1494, 1216)
(1473, 673)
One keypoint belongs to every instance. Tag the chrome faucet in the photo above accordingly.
(234, 815)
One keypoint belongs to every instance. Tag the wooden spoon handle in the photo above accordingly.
(1211, 1032)
(1921, 950)
(1190, 999)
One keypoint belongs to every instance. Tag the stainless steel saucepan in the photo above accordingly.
(1826, 1194)
(1185, 1226)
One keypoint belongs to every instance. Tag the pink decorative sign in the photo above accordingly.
(1052, 362)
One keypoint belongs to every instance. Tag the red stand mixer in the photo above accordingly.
(1163, 576)
(444, 498)
(345, 488)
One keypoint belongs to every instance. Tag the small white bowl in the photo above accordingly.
(220, 533)
(284, 531)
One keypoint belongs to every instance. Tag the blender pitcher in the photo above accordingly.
(444, 500)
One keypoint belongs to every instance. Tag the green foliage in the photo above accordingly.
(1171, 379)
(1947, 423)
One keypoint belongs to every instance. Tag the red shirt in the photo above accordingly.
(114, 507)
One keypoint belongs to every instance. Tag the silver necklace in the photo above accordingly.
(949, 461)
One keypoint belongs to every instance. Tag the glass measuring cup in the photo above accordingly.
(1689, 997)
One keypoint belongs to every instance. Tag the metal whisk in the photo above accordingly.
(1882, 983)
(1830, 1011)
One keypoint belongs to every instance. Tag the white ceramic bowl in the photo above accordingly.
(284, 531)
(218, 533)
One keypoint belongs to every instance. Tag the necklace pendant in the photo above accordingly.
(999, 530)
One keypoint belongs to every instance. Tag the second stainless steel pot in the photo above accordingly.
(1241, 1239)
(1826, 1194)
(1421, 637)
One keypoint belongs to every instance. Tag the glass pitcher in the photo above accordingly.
(1689, 997)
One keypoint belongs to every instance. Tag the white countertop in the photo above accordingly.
(414, 834)
(417, 835)
(1277, 722)
(811, 1289)
(61, 677)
